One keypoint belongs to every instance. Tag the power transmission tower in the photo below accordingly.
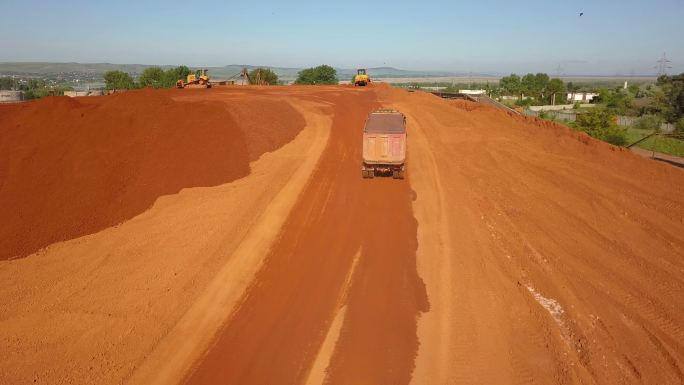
(559, 71)
(663, 65)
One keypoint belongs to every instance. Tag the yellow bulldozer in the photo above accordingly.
(361, 78)
(198, 79)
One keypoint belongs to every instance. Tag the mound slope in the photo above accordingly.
(70, 167)
(548, 256)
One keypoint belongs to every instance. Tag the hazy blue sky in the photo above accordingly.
(613, 37)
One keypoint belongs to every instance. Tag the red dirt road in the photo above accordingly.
(515, 252)
(275, 334)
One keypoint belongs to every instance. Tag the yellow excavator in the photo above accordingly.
(361, 78)
(198, 79)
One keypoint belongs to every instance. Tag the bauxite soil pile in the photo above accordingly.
(70, 167)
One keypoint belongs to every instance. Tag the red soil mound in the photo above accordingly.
(265, 129)
(71, 167)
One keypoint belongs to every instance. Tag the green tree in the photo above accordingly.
(323, 74)
(556, 90)
(263, 76)
(541, 82)
(617, 101)
(528, 84)
(677, 97)
(39, 88)
(535, 85)
(661, 98)
(600, 123)
(663, 79)
(151, 77)
(34, 84)
(35, 89)
(649, 122)
(679, 126)
(118, 80)
(172, 75)
(634, 90)
(669, 97)
(511, 84)
(8, 83)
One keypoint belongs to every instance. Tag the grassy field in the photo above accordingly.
(657, 143)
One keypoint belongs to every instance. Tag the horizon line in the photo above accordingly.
(432, 73)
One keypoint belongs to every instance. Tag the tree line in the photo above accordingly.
(654, 104)
(156, 77)
(539, 86)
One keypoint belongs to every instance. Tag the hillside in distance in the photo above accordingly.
(225, 72)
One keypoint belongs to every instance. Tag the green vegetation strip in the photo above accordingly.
(657, 143)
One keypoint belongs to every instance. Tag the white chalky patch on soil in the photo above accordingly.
(550, 304)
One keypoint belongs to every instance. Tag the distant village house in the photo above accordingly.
(582, 97)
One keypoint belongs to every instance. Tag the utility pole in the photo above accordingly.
(663, 65)
(559, 71)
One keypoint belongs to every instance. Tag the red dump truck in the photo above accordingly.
(384, 144)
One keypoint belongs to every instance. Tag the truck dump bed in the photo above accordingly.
(384, 142)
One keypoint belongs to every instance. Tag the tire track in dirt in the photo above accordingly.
(319, 367)
(192, 334)
(276, 333)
